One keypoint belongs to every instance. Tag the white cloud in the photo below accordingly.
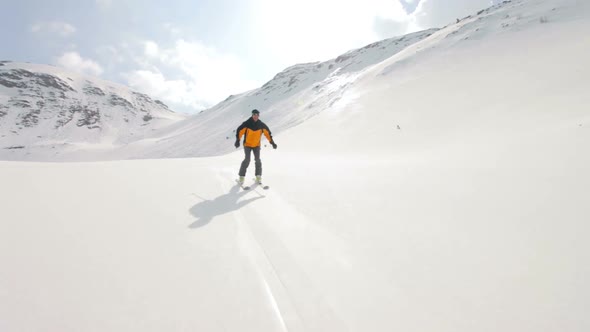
(73, 61)
(62, 29)
(188, 74)
(172, 29)
(104, 4)
(151, 49)
(409, 5)
(290, 32)
(111, 53)
(311, 30)
(174, 92)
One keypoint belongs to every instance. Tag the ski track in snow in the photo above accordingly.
(299, 305)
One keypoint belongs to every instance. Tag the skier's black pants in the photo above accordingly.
(246, 161)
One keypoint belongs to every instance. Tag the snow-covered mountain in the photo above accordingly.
(291, 97)
(46, 112)
(112, 122)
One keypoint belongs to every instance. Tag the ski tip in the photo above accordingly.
(242, 185)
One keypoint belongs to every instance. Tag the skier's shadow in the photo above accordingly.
(208, 209)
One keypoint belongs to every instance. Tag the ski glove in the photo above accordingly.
(274, 146)
(237, 144)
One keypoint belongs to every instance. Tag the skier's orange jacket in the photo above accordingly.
(252, 132)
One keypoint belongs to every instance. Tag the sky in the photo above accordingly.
(192, 54)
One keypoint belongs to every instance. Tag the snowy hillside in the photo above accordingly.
(38, 104)
(291, 97)
(446, 189)
(48, 113)
(130, 123)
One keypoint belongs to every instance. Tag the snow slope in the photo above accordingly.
(296, 94)
(446, 190)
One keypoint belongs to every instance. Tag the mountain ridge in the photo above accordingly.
(41, 105)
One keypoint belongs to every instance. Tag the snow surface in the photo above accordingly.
(445, 190)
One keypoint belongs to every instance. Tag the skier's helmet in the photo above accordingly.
(255, 111)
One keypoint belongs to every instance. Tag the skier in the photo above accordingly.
(252, 130)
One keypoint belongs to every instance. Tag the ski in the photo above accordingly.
(242, 185)
(261, 185)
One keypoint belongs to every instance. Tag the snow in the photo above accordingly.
(471, 215)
